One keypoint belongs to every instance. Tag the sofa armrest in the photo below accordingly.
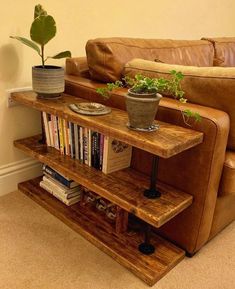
(77, 66)
(196, 171)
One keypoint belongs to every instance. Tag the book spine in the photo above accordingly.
(71, 144)
(43, 185)
(92, 148)
(66, 136)
(81, 144)
(63, 188)
(76, 141)
(85, 145)
(57, 189)
(95, 150)
(67, 202)
(51, 132)
(61, 135)
(89, 145)
(56, 139)
(105, 155)
(57, 176)
(46, 128)
(101, 151)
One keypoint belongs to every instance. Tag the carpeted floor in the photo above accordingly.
(37, 251)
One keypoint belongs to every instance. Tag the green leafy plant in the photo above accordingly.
(141, 84)
(42, 30)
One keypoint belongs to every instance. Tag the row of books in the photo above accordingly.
(69, 192)
(64, 189)
(89, 147)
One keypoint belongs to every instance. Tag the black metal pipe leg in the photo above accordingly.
(152, 192)
(146, 247)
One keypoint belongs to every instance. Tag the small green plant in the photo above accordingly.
(141, 84)
(42, 30)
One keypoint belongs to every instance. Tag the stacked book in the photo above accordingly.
(89, 147)
(62, 188)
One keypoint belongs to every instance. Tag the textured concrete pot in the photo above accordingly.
(48, 81)
(142, 110)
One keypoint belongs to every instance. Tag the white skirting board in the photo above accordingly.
(16, 172)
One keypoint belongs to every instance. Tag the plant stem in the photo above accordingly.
(42, 56)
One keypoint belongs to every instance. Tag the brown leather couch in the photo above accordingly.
(207, 171)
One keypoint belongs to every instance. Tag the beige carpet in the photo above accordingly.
(37, 251)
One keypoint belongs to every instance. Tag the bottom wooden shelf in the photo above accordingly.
(122, 247)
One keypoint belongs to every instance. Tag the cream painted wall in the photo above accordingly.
(78, 21)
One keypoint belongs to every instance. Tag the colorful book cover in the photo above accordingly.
(61, 135)
(116, 155)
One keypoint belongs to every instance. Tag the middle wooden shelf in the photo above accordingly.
(123, 188)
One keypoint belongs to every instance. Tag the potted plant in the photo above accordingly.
(47, 80)
(143, 98)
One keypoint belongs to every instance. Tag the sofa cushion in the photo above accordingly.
(77, 66)
(207, 86)
(107, 56)
(227, 184)
(224, 50)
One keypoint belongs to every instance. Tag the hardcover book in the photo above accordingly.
(59, 177)
(66, 192)
(71, 139)
(85, 145)
(56, 132)
(46, 128)
(81, 144)
(76, 141)
(67, 202)
(116, 155)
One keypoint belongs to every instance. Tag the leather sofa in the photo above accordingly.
(207, 171)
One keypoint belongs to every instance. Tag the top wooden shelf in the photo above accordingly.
(168, 141)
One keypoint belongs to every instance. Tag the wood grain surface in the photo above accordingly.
(122, 247)
(124, 188)
(169, 140)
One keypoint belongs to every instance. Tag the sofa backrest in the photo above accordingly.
(224, 48)
(206, 86)
(106, 57)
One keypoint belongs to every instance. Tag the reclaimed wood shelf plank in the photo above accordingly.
(169, 140)
(122, 247)
(124, 188)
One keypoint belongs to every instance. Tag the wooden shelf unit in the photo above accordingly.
(122, 247)
(166, 142)
(124, 188)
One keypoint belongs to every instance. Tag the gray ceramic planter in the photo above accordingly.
(142, 110)
(48, 81)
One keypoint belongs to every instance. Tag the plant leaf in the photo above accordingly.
(38, 11)
(43, 29)
(27, 42)
(61, 55)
